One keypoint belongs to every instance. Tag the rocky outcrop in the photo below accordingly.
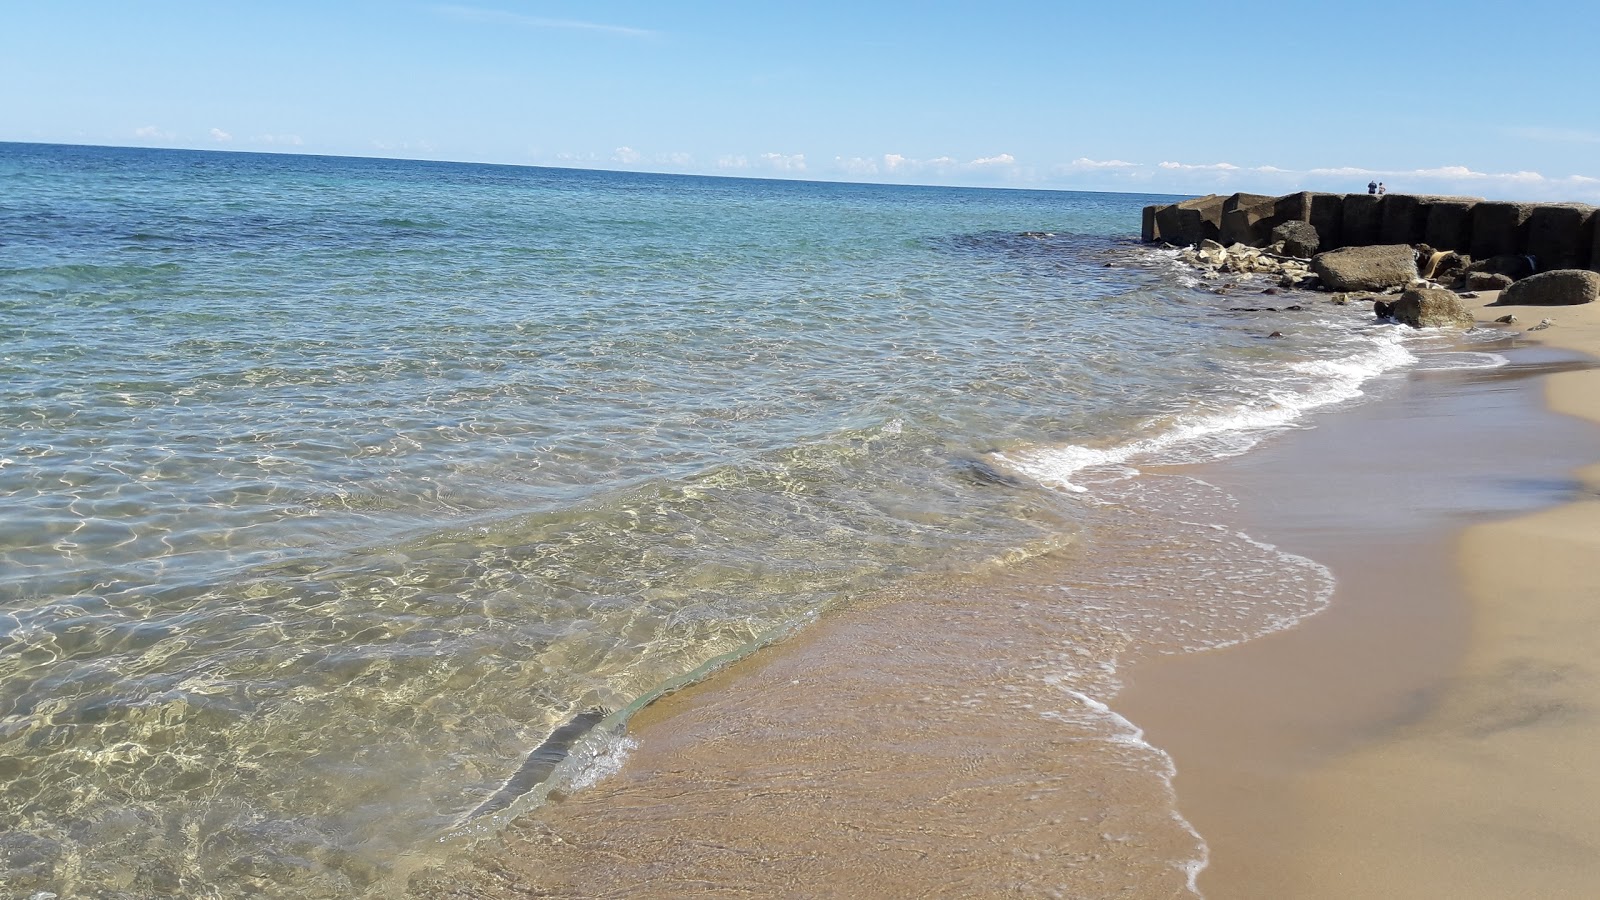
(1298, 239)
(1499, 229)
(1431, 308)
(1362, 224)
(1405, 219)
(1562, 287)
(1248, 219)
(1449, 224)
(1366, 268)
(1241, 260)
(1191, 221)
(1511, 266)
(1559, 236)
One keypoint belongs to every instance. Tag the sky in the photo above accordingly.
(1484, 99)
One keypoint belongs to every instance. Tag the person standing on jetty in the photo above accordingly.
(1381, 189)
(1372, 187)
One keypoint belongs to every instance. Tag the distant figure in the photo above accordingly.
(1372, 187)
(1381, 189)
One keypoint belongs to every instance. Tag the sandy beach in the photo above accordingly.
(1430, 734)
(1481, 782)
(1425, 736)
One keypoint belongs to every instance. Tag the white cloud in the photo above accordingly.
(220, 136)
(1004, 159)
(677, 159)
(1085, 163)
(626, 155)
(151, 132)
(733, 162)
(856, 165)
(1191, 167)
(497, 17)
(784, 162)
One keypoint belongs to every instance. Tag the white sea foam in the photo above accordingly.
(1194, 437)
(1463, 359)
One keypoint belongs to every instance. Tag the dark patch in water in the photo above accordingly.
(978, 471)
(541, 762)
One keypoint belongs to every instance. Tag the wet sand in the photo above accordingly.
(1289, 748)
(1401, 743)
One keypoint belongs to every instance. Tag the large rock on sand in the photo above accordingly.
(1366, 268)
(1563, 287)
(1431, 308)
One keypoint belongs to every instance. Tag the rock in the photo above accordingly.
(1299, 239)
(1275, 334)
(1445, 265)
(1559, 235)
(1507, 319)
(1149, 232)
(1543, 324)
(1190, 221)
(1383, 309)
(1449, 224)
(1366, 268)
(1507, 264)
(1499, 228)
(1405, 219)
(1431, 308)
(1362, 223)
(1248, 218)
(1270, 290)
(1325, 213)
(1562, 287)
(1486, 281)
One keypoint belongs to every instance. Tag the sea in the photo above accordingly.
(351, 506)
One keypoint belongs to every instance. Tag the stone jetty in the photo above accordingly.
(1542, 237)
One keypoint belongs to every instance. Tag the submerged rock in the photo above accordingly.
(1431, 308)
(1562, 287)
(1366, 268)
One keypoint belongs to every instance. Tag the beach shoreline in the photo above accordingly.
(1457, 659)
(846, 791)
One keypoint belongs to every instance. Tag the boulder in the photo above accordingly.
(1324, 212)
(1562, 287)
(1509, 265)
(1499, 228)
(1445, 265)
(1366, 268)
(1431, 308)
(1191, 221)
(1559, 236)
(1148, 231)
(1248, 219)
(1449, 225)
(1485, 281)
(1299, 239)
(1405, 219)
(1361, 224)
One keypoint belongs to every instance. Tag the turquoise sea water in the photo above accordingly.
(333, 486)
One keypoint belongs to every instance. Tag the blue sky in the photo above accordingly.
(1495, 100)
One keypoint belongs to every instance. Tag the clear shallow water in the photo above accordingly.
(333, 486)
